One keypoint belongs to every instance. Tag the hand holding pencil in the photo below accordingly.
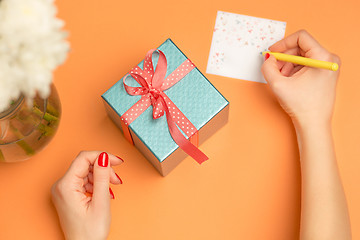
(307, 94)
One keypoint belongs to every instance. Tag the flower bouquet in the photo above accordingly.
(32, 45)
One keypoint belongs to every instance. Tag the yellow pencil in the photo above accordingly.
(303, 61)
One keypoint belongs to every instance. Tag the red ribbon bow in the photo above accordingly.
(153, 83)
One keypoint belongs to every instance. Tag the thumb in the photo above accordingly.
(101, 173)
(270, 69)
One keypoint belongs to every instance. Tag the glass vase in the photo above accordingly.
(25, 129)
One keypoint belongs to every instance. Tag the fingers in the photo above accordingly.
(101, 174)
(90, 176)
(80, 166)
(297, 70)
(88, 187)
(287, 69)
(302, 41)
(271, 70)
(114, 178)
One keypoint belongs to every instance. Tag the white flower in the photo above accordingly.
(32, 45)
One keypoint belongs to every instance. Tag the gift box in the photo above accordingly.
(166, 107)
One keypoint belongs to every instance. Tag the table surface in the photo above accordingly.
(250, 187)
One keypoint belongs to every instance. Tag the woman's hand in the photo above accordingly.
(82, 195)
(306, 94)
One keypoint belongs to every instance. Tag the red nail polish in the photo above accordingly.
(103, 160)
(111, 193)
(119, 178)
(120, 158)
(267, 55)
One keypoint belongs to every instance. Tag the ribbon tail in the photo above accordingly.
(183, 143)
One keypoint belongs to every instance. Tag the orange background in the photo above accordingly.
(250, 187)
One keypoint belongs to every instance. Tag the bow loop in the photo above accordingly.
(160, 72)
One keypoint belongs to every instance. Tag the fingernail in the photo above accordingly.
(120, 158)
(119, 178)
(267, 55)
(111, 193)
(103, 160)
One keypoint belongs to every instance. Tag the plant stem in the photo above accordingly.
(29, 151)
(46, 130)
(26, 147)
(47, 116)
(2, 158)
(51, 109)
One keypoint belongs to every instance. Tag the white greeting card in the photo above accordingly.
(237, 42)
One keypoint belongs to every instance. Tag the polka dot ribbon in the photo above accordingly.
(153, 83)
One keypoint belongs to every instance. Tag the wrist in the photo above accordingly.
(312, 124)
(312, 127)
(309, 132)
(83, 237)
